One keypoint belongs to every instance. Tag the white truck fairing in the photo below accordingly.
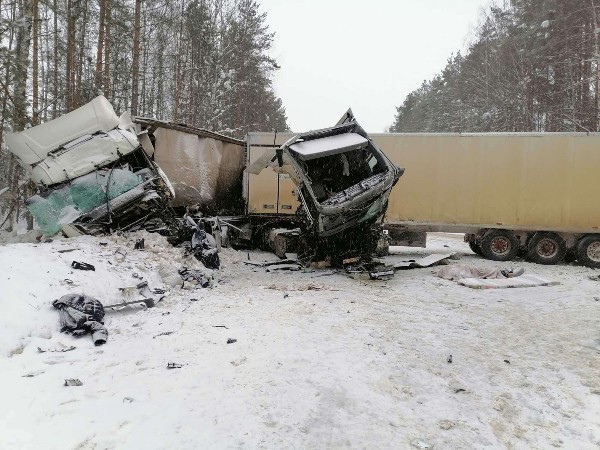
(72, 145)
(327, 146)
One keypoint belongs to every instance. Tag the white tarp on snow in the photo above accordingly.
(517, 282)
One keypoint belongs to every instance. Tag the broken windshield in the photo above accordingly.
(332, 174)
(65, 204)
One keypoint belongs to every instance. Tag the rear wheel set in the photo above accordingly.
(543, 247)
(499, 245)
(588, 251)
(546, 247)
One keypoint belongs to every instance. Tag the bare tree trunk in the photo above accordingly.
(107, 43)
(179, 72)
(20, 98)
(35, 120)
(596, 113)
(55, 75)
(45, 64)
(22, 63)
(78, 100)
(144, 79)
(71, 36)
(100, 46)
(29, 188)
(6, 94)
(136, 58)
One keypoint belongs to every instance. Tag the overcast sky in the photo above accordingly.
(363, 54)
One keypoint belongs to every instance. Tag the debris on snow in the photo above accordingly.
(82, 266)
(271, 263)
(172, 365)
(81, 314)
(33, 374)
(57, 350)
(164, 333)
(194, 278)
(420, 263)
(421, 444)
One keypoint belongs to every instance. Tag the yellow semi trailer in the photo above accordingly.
(510, 193)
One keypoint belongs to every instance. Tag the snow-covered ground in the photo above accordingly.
(320, 361)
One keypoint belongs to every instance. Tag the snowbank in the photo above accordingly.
(319, 361)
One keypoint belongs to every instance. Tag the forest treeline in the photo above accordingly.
(204, 63)
(532, 66)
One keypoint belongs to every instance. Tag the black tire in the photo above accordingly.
(500, 245)
(546, 248)
(588, 251)
(475, 247)
(571, 255)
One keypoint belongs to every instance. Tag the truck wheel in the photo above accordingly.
(475, 248)
(546, 248)
(500, 245)
(588, 251)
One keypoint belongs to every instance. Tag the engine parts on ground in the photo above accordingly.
(201, 244)
(81, 314)
(149, 298)
(194, 277)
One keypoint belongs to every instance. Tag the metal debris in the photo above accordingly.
(82, 266)
(174, 365)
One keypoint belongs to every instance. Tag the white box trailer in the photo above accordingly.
(510, 193)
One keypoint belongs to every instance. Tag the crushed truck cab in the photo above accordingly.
(343, 182)
(345, 179)
(92, 174)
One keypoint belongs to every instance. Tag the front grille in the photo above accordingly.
(353, 191)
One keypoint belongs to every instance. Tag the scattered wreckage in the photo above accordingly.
(98, 173)
(80, 315)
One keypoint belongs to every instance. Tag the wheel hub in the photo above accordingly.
(593, 251)
(500, 245)
(547, 248)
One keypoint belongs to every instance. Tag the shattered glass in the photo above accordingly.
(65, 204)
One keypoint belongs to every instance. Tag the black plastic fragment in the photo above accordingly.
(82, 266)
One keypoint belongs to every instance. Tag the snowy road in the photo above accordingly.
(319, 362)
